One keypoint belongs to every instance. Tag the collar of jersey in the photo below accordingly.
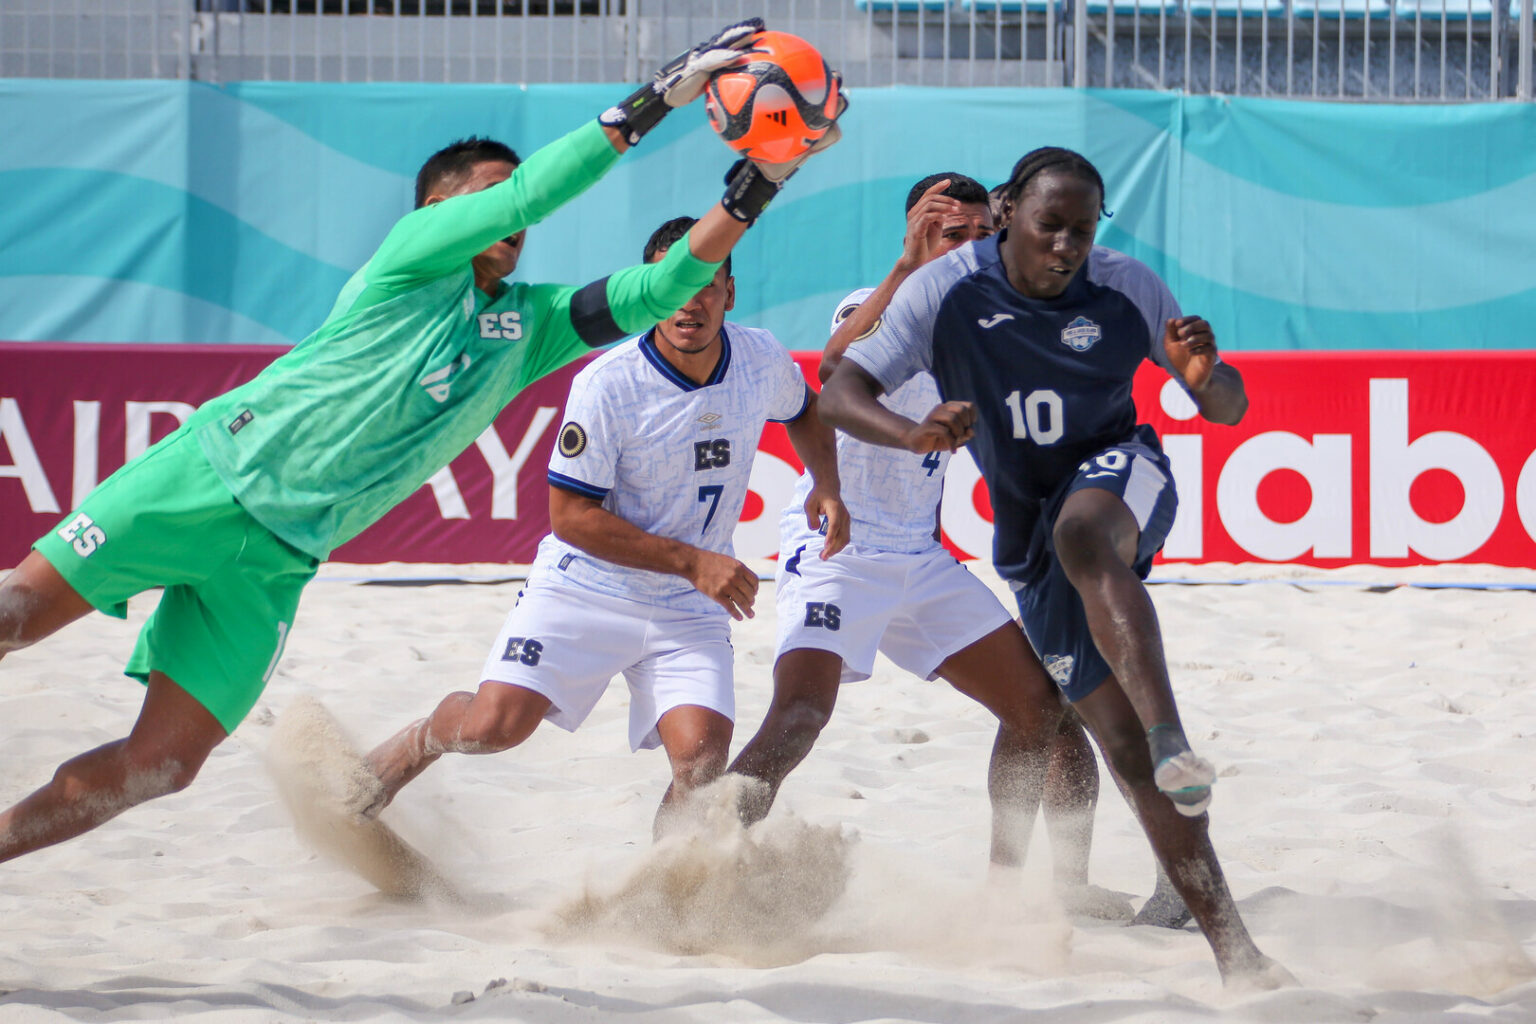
(653, 354)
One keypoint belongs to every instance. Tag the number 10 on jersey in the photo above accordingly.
(1037, 416)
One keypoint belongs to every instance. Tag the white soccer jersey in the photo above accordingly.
(891, 495)
(667, 455)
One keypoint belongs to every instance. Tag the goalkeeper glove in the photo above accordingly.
(680, 81)
(750, 186)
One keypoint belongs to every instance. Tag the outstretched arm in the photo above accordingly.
(442, 238)
(631, 300)
(584, 523)
(434, 243)
(1217, 387)
(816, 444)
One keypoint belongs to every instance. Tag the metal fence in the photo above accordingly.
(1378, 50)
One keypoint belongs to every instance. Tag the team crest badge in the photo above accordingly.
(847, 311)
(1081, 334)
(573, 439)
(1059, 666)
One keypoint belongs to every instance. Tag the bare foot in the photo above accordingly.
(392, 764)
(1164, 909)
(1258, 975)
(324, 782)
(1085, 900)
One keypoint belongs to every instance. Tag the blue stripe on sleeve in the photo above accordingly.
(568, 483)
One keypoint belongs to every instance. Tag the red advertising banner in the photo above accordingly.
(72, 414)
(1389, 458)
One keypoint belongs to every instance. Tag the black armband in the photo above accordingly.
(592, 317)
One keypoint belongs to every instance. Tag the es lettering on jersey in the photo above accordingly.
(666, 454)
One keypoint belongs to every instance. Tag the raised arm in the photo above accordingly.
(640, 295)
(584, 523)
(430, 242)
(923, 238)
(630, 300)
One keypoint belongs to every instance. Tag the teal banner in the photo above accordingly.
(183, 212)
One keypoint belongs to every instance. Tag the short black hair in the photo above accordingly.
(667, 236)
(454, 162)
(1053, 158)
(961, 187)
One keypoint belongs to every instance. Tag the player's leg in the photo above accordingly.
(805, 684)
(36, 601)
(1182, 843)
(169, 742)
(546, 662)
(949, 625)
(831, 616)
(682, 697)
(1165, 907)
(497, 717)
(231, 589)
(1096, 539)
(697, 741)
(1000, 672)
(1112, 520)
(1069, 801)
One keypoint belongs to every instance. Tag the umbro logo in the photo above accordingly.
(994, 320)
(709, 419)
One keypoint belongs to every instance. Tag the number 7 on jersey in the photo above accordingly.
(710, 493)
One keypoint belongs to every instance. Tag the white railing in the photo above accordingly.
(1379, 50)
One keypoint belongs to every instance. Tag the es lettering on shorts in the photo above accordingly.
(823, 613)
(523, 649)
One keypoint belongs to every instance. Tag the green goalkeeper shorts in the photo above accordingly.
(231, 585)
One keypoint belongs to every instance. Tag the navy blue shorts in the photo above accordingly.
(1138, 473)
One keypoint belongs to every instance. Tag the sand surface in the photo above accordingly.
(1376, 815)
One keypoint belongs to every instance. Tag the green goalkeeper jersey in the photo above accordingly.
(414, 361)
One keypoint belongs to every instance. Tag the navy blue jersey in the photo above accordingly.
(1050, 378)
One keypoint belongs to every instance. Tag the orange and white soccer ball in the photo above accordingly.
(776, 106)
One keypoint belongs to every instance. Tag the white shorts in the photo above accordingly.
(568, 643)
(916, 609)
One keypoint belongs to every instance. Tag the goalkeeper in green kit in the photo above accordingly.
(233, 513)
